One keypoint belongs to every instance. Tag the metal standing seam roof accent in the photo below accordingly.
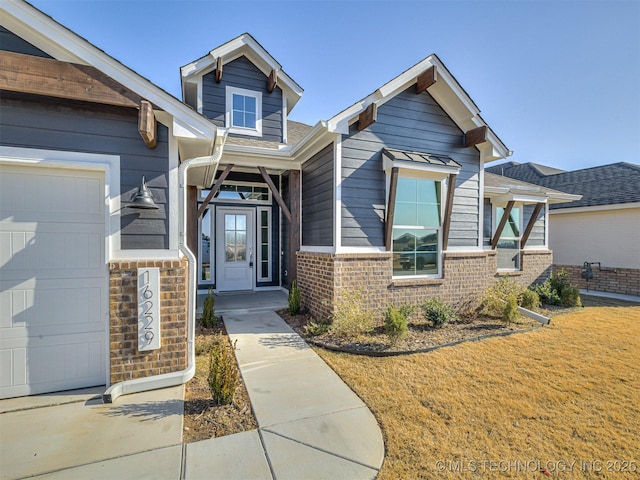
(420, 157)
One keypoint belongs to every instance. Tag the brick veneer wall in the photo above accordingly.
(126, 362)
(322, 277)
(625, 281)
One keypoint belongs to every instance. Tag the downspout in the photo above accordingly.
(183, 376)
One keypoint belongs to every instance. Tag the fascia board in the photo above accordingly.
(563, 197)
(38, 27)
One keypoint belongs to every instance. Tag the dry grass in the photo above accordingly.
(566, 393)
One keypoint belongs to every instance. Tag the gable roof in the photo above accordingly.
(56, 40)
(449, 94)
(247, 46)
(612, 184)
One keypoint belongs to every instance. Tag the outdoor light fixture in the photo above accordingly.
(143, 198)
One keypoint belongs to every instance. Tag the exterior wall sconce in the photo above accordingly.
(142, 198)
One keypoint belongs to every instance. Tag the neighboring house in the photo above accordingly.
(389, 197)
(603, 226)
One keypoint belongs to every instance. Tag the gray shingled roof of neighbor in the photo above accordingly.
(603, 185)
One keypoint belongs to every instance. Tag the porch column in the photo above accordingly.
(294, 224)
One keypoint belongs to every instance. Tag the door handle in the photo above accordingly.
(251, 257)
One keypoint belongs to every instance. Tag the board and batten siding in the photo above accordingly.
(241, 73)
(414, 123)
(11, 42)
(29, 122)
(317, 199)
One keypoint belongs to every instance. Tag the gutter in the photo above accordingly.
(183, 376)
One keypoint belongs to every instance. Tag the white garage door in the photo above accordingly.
(53, 280)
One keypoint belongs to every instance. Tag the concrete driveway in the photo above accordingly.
(43, 434)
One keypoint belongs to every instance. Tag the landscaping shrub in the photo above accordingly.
(510, 309)
(437, 312)
(209, 319)
(396, 321)
(493, 301)
(294, 299)
(317, 327)
(529, 299)
(557, 290)
(223, 377)
(351, 318)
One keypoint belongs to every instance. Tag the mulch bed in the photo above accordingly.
(203, 418)
(421, 336)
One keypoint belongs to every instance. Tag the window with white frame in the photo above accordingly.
(508, 246)
(417, 226)
(244, 111)
(264, 244)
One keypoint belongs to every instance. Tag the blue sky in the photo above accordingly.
(558, 81)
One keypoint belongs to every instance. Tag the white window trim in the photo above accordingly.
(212, 247)
(240, 202)
(494, 225)
(436, 176)
(229, 92)
(259, 258)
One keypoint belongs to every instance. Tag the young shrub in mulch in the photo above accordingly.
(437, 312)
(294, 299)
(209, 319)
(351, 318)
(494, 298)
(557, 290)
(223, 377)
(510, 309)
(317, 327)
(396, 321)
(529, 299)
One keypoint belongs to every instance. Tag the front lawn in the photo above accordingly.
(561, 401)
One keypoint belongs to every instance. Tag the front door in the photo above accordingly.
(235, 249)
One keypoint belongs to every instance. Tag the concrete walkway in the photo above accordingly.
(311, 425)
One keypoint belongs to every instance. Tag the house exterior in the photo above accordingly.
(389, 197)
(602, 227)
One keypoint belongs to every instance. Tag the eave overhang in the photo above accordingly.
(244, 45)
(446, 91)
(62, 44)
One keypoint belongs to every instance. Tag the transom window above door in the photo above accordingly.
(241, 192)
(243, 111)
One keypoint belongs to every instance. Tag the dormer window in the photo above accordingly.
(244, 111)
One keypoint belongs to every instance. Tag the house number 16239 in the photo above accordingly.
(148, 308)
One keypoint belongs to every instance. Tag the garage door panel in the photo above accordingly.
(53, 280)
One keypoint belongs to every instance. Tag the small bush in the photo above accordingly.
(315, 328)
(557, 290)
(395, 321)
(223, 377)
(529, 299)
(202, 345)
(351, 318)
(437, 312)
(495, 297)
(510, 309)
(209, 319)
(294, 299)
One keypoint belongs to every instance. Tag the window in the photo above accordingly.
(205, 256)
(416, 227)
(244, 111)
(264, 244)
(241, 192)
(508, 247)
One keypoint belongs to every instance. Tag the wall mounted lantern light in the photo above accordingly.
(143, 198)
